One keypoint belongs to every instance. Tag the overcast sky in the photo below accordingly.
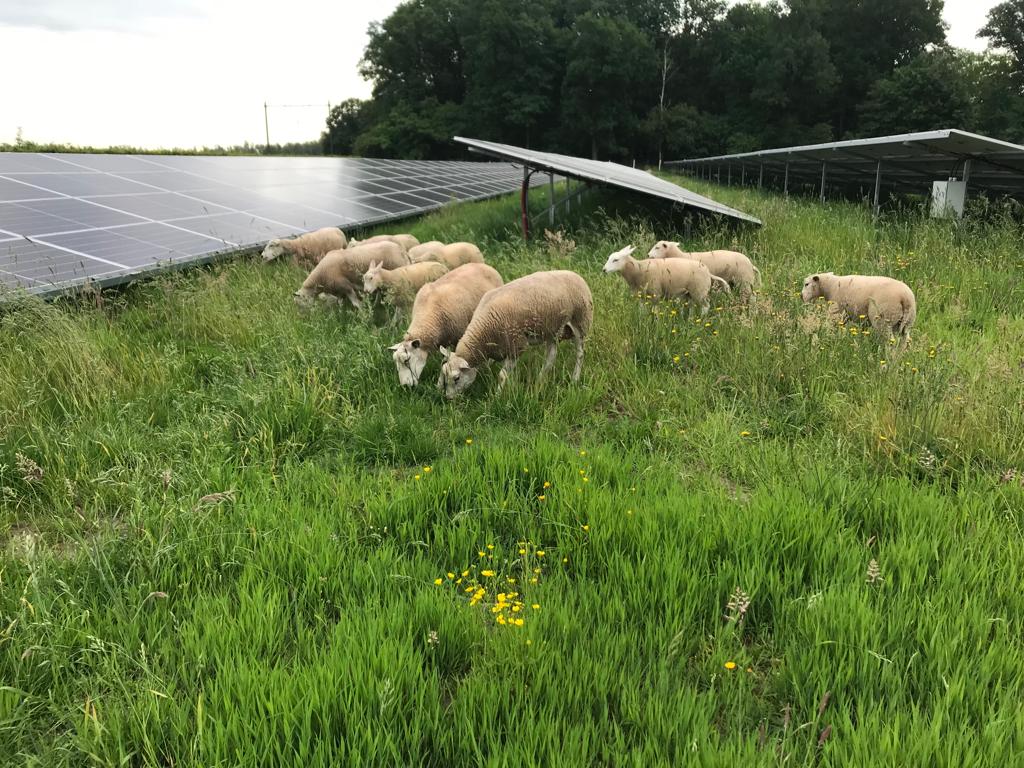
(183, 73)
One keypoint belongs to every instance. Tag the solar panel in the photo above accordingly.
(71, 219)
(606, 172)
(910, 160)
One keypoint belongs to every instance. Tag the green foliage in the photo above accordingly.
(219, 540)
(344, 125)
(1005, 29)
(930, 92)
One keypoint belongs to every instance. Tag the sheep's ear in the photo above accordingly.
(815, 278)
(628, 250)
(394, 347)
(672, 242)
(275, 241)
(415, 343)
(464, 365)
(445, 352)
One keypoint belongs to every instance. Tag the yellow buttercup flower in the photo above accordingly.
(730, 665)
(488, 574)
(469, 441)
(438, 581)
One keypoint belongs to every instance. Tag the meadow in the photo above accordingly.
(227, 536)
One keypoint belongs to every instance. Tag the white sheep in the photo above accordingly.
(418, 250)
(453, 255)
(406, 241)
(401, 284)
(307, 250)
(666, 278)
(888, 304)
(440, 315)
(340, 273)
(732, 266)
(541, 308)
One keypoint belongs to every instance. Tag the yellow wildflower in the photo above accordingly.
(584, 453)
(438, 581)
(450, 575)
(501, 618)
(516, 608)
(490, 546)
(547, 484)
(522, 551)
(529, 642)
(428, 469)
(488, 574)
(469, 441)
(533, 580)
(744, 433)
(541, 497)
(517, 622)
(417, 477)
(535, 606)
(541, 553)
(730, 665)
(586, 527)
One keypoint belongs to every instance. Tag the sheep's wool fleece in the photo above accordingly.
(444, 308)
(533, 309)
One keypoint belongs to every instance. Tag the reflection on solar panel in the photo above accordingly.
(69, 219)
(613, 174)
(910, 161)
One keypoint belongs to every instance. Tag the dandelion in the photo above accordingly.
(547, 484)
(428, 470)
(417, 477)
(490, 546)
(480, 554)
(533, 580)
(469, 441)
(487, 574)
(439, 581)
(450, 575)
(730, 665)
(541, 553)
(535, 606)
(675, 359)
(517, 622)
(501, 618)
(541, 497)
(586, 479)
(525, 470)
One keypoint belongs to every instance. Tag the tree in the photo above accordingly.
(1005, 29)
(998, 100)
(610, 63)
(931, 91)
(867, 40)
(344, 124)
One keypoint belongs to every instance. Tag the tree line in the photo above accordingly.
(667, 78)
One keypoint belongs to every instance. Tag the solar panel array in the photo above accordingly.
(606, 172)
(909, 161)
(69, 219)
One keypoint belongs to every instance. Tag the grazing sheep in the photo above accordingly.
(733, 267)
(307, 250)
(418, 250)
(340, 273)
(401, 284)
(453, 255)
(541, 308)
(440, 314)
(888, 304)
(666, 278)
(406, 241)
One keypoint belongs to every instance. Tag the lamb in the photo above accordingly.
(666, 278)
(440, 314)
(307, 250)
(418, 250)
(733, 267)
(401, 284)
(888, 304)
(406, 241)
(340, 272)
(544, 307)
(453, 255)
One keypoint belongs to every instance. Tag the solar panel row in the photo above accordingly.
(606, 172)
(67, 219)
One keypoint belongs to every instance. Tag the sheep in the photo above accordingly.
(666, 278)
(406, 241)
(733, 267)
(340, 272)
(418, 250)
(453, 255)
(307, 250)
(440, 314)
(401, 284)
(544, 307)
(888, 304)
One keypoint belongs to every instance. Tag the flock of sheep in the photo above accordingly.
(463, 309)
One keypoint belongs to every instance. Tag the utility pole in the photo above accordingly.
(266, 124)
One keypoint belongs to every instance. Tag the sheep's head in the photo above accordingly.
(618, 260)
(304, 297)
(456, 374)
(371, 280)
(410, 358)
(661, 249)
(812, 287)
(273, 250)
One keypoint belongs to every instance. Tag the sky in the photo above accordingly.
(190, 73)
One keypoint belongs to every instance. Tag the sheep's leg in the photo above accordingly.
(577, 338)
(506, 369)
(705, 306)
(879, 324)
(549, 359)
(353, 298)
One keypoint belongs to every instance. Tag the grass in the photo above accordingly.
(221, 540)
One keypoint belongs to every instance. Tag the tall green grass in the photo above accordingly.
(221, 536)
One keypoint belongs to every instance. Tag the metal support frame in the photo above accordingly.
(743, 175)
(551, 199)
(728, 174)
(824, 170)
(524, 202)
(785, 183)
(878, 189)
(760, 176)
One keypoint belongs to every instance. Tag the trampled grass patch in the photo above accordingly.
(756, 538)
